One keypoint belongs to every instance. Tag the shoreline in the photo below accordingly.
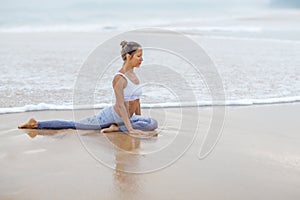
(154, 107)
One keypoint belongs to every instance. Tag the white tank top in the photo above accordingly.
(132, 91)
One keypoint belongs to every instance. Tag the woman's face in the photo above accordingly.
(137, 58)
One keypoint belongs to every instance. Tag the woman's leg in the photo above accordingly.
(141, 123)
(89, 123)
(103, 120)
(56, 124)
(52, 124)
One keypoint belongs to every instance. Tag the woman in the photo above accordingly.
(125, 115)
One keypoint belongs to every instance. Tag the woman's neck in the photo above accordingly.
(126, 68)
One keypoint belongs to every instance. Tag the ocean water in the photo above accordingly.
(256, 54)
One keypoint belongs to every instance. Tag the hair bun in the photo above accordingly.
(123, 43)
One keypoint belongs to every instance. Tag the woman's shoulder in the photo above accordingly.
(119, 75)
(119, 78)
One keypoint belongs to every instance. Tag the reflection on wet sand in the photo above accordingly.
(34, 132)
(126, 183)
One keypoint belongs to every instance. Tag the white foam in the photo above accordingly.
(219, 28)
(263, 101)
(238, 102)
(85, 28)
(58, 28)
(248, 38)
(44, 106)
(117, 27)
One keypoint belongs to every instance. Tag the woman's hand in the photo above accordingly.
(137, 132)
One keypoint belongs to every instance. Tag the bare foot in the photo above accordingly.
(112, 128)
(31, 124)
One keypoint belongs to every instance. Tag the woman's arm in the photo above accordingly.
(119, 84)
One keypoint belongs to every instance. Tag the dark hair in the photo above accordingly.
(129, 48)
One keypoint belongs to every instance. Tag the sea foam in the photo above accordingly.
(241, 102)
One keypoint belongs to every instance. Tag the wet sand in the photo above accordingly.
(257, 157)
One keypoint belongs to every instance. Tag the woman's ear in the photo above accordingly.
(128, 56)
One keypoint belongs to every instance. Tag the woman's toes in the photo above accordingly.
(31, 124)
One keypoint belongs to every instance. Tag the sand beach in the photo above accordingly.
(257, 157)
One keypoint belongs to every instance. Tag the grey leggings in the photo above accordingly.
(103, 119)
